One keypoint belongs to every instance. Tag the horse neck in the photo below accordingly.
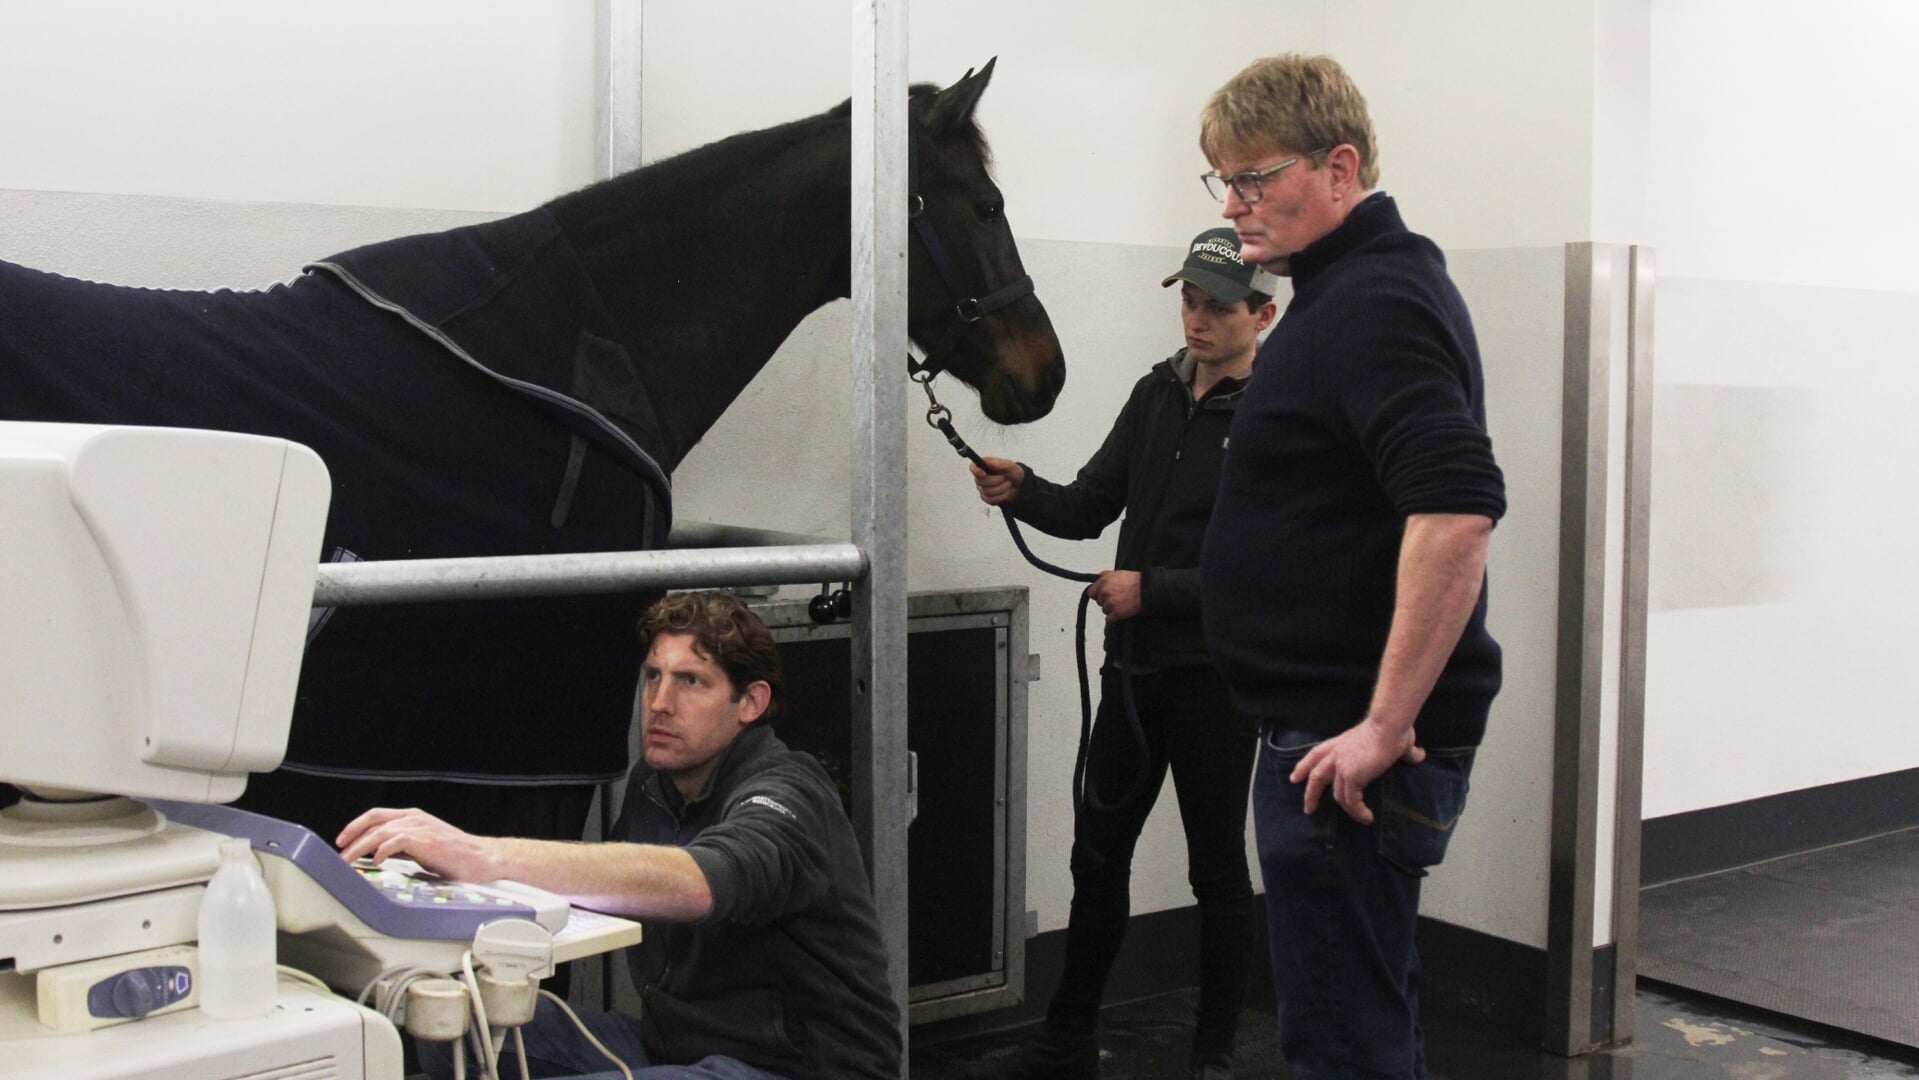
(710, 259)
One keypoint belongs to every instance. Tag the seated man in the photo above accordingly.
(763, 956)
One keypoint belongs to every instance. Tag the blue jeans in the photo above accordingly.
(555, 1048)
(1342, 904)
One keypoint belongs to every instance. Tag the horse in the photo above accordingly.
(527, 386)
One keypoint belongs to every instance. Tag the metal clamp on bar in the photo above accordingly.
(395, 581)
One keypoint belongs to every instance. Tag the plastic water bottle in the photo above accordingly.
(237, 943)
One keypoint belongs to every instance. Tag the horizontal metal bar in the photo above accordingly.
(707, 534)
(398, 581)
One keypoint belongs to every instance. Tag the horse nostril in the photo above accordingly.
(1055, 378)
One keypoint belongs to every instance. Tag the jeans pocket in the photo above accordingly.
(1283, 828)
(1285, 743)
(1418, 807)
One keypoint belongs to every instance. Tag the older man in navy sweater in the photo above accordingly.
(1343, 575)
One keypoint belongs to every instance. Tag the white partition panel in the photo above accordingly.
(1495, 875)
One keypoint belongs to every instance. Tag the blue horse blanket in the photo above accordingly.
(545, 442)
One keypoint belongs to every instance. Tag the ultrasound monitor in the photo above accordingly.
(155, 585)
(154, 594)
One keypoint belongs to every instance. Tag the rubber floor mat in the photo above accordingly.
(1830, 936)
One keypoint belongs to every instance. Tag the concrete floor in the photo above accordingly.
(1679, 1037)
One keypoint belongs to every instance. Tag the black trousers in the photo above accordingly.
(1192, 730)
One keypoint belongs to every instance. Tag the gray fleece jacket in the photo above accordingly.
(788, 972)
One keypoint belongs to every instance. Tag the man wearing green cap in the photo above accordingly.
(1160, 465)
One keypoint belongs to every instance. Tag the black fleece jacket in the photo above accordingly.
(1159, 464)
(1367, 405)
(788, 972)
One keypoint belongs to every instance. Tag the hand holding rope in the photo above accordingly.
(940, 419)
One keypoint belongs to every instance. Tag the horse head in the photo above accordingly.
(970, 302)
(673, 247)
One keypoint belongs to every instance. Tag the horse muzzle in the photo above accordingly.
(1025, 383)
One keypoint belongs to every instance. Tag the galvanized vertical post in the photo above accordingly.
(880, 795)
(616, 69)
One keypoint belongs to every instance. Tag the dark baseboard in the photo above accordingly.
(1467, 974)
(1497, 984)
(1725, 837)
(1161, 955)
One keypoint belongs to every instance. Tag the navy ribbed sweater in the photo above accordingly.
(1366, 405)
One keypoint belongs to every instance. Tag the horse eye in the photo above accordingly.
(990, 212)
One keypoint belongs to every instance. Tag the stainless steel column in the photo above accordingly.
(1601, 656)
(1632, 658)
(1581, 650)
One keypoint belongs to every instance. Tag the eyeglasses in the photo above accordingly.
(1247, 184)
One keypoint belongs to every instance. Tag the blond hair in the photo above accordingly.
(1290, 101)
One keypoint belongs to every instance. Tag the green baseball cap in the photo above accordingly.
(1213, 264)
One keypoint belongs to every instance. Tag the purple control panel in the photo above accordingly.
(396, 905)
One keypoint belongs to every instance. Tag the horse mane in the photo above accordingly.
(717, 165)
(716, 159)
(679, 251)
(702, 167)
(708, 259)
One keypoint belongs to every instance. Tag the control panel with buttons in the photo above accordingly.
(396, 898)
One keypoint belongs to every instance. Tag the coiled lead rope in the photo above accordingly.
(940, 419)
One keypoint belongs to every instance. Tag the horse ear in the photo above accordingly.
(953, 107)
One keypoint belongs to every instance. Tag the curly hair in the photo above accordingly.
(723, 630)
(1293, 102)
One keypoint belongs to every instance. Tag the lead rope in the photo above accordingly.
(940, 419)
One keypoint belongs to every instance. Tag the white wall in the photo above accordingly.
(1788, 307)
(1484, 110)
(455, 104)
(208, 142)
(1093, 114)
(1781, 150)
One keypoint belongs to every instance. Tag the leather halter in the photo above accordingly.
(966, 309)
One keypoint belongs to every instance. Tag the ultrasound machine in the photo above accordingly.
(155, 589)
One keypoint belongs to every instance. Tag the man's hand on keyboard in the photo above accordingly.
(383, 833)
